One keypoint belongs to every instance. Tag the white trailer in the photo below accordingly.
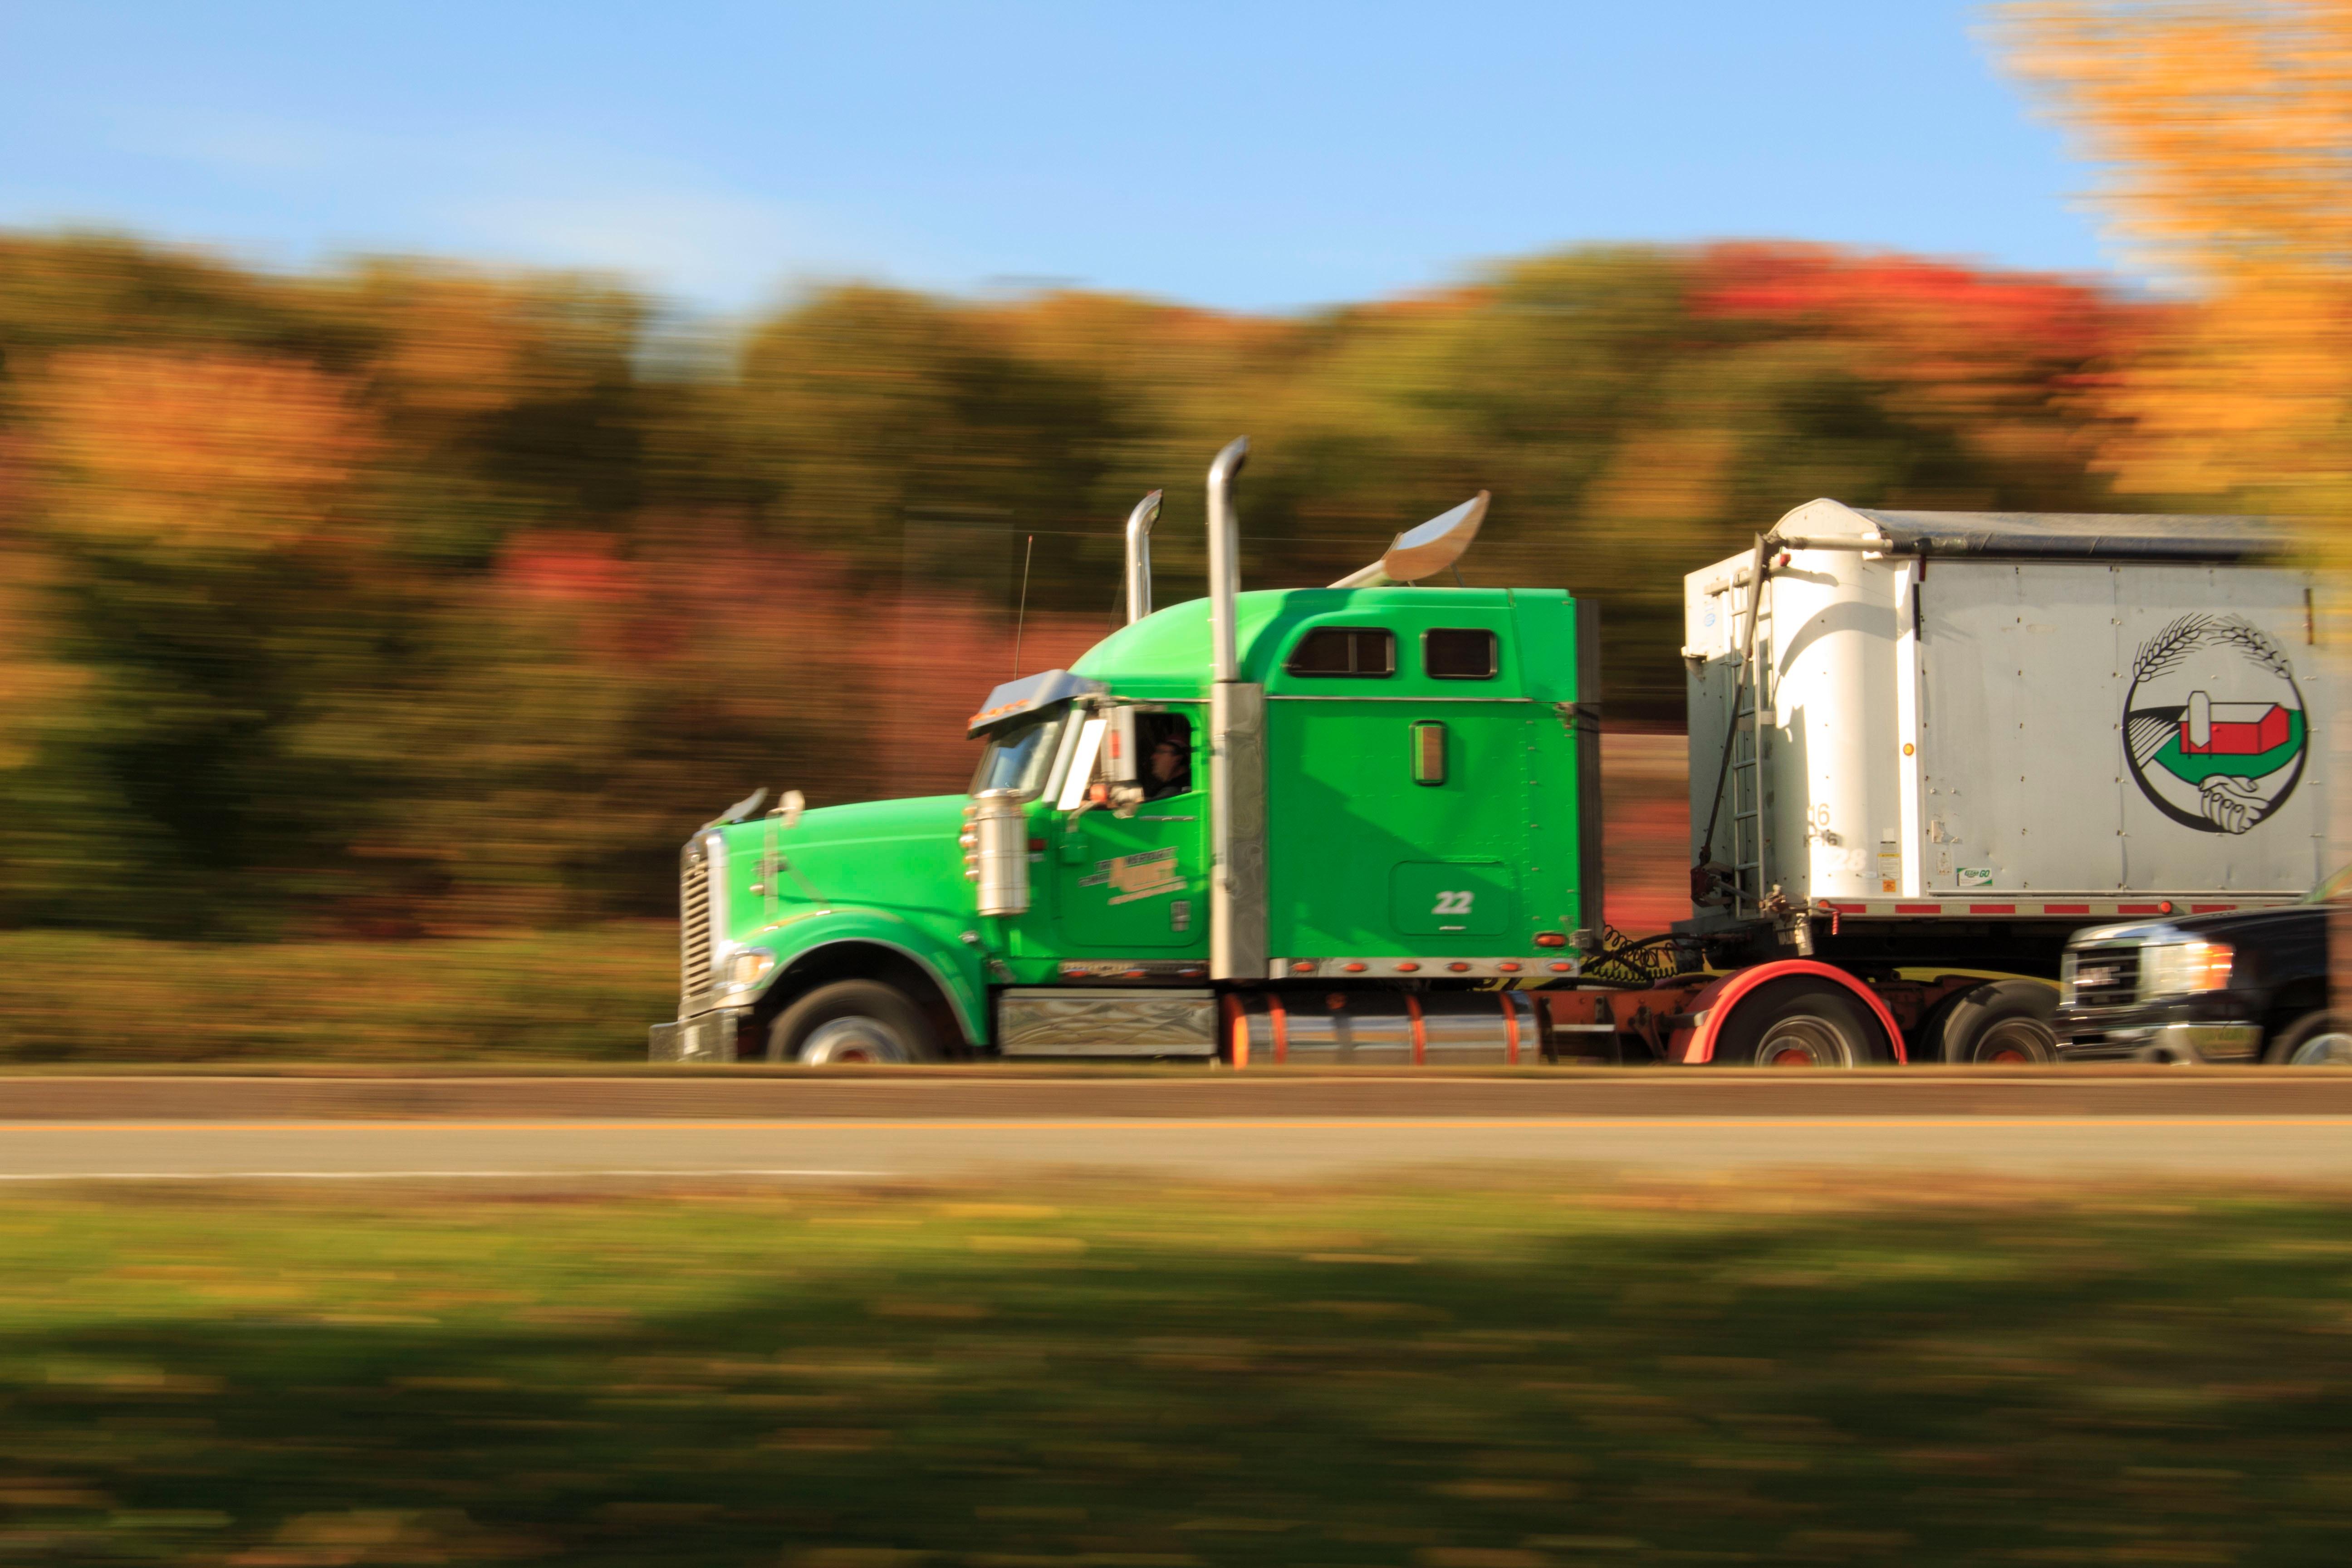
(2003, 716)
(1929, 741)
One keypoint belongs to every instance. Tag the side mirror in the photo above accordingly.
(789, 808)
(1120, 763)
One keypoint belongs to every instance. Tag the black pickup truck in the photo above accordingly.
(2248, 987)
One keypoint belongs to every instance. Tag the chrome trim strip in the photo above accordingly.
(1409, 968)
(715, 855)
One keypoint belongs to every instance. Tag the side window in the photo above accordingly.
(1460, 653)
(1165, 742)
(1344, 651)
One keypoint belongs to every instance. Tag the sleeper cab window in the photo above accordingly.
(1460, 653)
(1344, 651)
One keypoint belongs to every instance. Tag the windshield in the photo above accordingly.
(1019, 756)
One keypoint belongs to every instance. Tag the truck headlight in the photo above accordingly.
(747, 965)
(2180, 968)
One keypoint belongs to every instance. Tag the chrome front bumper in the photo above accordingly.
(2187, 1044)
(707, 1037)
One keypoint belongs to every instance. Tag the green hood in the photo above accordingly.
(886, 854)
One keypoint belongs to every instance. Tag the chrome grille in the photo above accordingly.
(2101, 976)
(694, 924)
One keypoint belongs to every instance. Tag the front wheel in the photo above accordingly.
(852, 1021)
(2315, 1040)
(1799, 1023)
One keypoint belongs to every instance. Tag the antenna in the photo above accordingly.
(1425, 550)
(1021, 616)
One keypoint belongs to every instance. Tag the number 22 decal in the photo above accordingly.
(1453, 905)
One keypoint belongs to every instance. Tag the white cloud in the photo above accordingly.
(707, 243)
(664, 225)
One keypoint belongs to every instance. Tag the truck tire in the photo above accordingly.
(852, 1021)
(1799, 1022)
(2315, 1040)
(2000, 1023)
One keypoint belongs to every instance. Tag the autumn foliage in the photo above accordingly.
(414, 599)
(2224, 132)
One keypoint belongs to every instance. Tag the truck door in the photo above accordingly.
(1139, 883)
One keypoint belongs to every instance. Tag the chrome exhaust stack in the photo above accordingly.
(1237, 947)
(1138, 556)
(1224, 561)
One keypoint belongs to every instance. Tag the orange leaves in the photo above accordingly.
(215, 454)
(2226, 133)
(1673, 475)
(2246, 394)
(456, 341)
(2224, 127)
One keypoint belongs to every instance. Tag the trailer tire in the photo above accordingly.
(2002, 1023)
(1799, 1022)
(852, 1021)
(2315, 1040)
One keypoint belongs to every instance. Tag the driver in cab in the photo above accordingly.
(1168, 770)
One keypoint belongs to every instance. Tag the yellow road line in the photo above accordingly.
(1156, 1124)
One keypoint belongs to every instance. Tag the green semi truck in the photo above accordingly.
(1362, 822)
(1390, 790)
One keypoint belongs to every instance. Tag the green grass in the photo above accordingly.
(1468, 1378)
(587, 993)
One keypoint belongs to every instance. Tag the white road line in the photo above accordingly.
(373, 1175)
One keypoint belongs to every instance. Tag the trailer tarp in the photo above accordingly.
(2138, 536)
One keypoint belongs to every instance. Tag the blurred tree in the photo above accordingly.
(2225, 131)
(205, 506)
(411, 598)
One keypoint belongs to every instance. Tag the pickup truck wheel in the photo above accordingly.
(1797, 1023)
(851, 1021)
(2003, 1023)
(2315, 1040)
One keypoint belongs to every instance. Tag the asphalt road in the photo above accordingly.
(2169, 1148)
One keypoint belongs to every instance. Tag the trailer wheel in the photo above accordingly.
(852, 1021)
(2315, 1040)
(2003, 1023)
(1797, 1023)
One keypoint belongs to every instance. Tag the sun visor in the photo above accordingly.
(1028, 694)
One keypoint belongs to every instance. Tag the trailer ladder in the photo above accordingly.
(1750, 842)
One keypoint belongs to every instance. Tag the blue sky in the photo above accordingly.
(1273, 156)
